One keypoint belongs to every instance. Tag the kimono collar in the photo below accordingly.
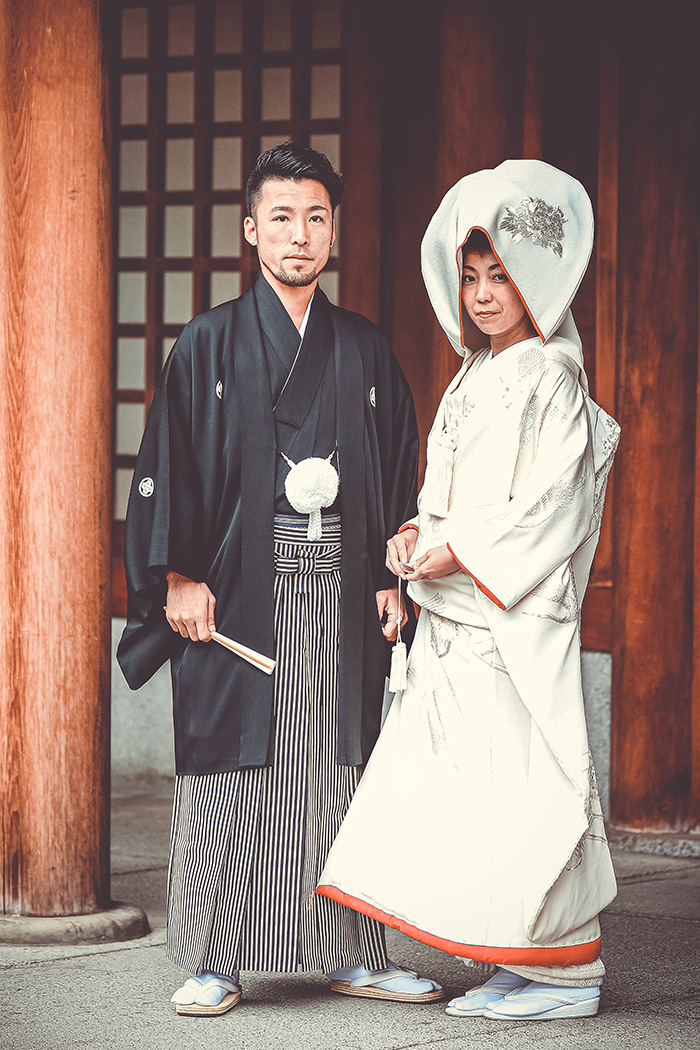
(540, 224)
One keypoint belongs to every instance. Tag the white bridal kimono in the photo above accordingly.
(477, 826)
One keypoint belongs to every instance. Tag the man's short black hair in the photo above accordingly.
(291, 161)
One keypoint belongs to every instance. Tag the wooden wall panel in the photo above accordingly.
(408, 105)
(656, 401)
(361, 210)
(453, 104)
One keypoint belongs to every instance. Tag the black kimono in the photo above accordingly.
(205, 491)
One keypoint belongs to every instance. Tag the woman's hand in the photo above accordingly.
(399, 550)
(438, 562)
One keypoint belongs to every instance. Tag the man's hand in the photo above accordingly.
(438, 562)
(388, 602)
(190, 608)
(400, 549)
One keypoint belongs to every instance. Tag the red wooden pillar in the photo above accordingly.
(55, 460)
(657, 275)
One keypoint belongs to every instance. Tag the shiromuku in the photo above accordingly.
(501, 857)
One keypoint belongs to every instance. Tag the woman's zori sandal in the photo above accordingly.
(508, 997)
(394, 984)
(207, 995)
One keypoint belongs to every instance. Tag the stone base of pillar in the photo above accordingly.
(121, 922)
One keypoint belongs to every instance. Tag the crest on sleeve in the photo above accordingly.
(373, 397)
(220, 390)
(147, 486)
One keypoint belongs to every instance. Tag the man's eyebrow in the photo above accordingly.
(289, 207)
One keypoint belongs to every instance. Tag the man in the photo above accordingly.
(221, 533)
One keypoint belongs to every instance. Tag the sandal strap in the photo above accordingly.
(219, 982)
(380, 977)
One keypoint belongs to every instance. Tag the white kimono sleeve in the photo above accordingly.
(509, 549)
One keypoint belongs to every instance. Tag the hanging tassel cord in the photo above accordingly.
(397, 674)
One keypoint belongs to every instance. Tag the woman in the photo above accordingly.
(502, 857)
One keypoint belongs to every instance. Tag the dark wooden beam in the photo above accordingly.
(656, 402)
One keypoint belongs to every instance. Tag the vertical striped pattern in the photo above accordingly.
(247, 847)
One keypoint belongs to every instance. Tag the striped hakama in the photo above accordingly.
(247, 847)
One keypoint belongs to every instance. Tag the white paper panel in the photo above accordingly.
(228, 99)
(179, 164)
(325, 92)
(181, 29)
(122, 484)
(132, 232)
(177, 298)
(335, 250)
(132, 165)
(178, 230)
(226, 164)
(180, 98)
(328, 144)
(131, 364)
(134, 32)
(134, 98)
(224, 286)
(131, 295)
(268, 141)
(168, 344)
(130, 420)
(228, 28)
(277, 25)
(328, 282)
(226, 229)
(276, 94)
(325, 30)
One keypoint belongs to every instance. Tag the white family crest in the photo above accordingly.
(147, 486)
(373, 397)
(220, 390)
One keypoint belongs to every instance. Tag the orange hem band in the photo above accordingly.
(409, 526)
(561, 955)
(484, 590)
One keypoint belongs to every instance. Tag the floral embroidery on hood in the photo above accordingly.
(541, 222)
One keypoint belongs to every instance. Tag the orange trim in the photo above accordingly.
(459, 268)
(558, 955)
(484, 590)
(409, 526)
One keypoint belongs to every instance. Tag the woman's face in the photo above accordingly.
(492, 302)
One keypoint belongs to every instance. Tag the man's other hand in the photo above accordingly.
(388, 602)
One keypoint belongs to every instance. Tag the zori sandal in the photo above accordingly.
(395, 984)
(206, 996)
(544, 1002)
(474, 1002)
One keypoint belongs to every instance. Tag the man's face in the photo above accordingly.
(293, 230)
